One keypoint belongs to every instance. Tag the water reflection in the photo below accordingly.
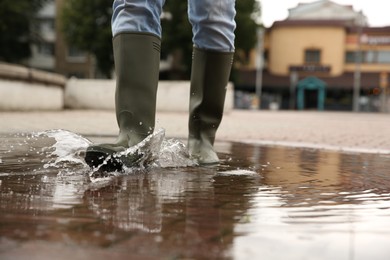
(318, 205)
(261, 202)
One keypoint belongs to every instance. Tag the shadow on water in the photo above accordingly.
(260, 202)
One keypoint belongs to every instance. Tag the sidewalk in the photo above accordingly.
(358, 132)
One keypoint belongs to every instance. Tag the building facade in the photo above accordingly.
(50, 52)
(324, 56)
(43, 48)
(70, 61)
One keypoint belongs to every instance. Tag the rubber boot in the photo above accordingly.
(209, 77)
(137, 59)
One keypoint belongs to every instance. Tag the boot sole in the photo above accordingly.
(105, 162)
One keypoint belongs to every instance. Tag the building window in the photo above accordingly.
(372, 57)
(312, 56)
(350, 57)
(51, 23)
(76, 55)
(384, 57)
(266, 58)
(46, 48)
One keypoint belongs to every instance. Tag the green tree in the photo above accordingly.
(17, 28)
(178, 36)
(87, 26)
(247, 13)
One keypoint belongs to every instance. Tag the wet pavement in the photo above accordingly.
(338, 131)
(261, 202)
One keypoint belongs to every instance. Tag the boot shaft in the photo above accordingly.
(209, 78)
(137, 59)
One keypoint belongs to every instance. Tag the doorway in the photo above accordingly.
(311, 93)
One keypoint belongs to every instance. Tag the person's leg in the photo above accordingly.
(137, 16)
(136, 44)
(213, 24)
(213, 28)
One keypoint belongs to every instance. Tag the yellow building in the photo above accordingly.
(318, 61)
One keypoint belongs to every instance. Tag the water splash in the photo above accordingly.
(161, 152)
(173, 154)
(23, 153)
(153, 151)
(149, 148)
(63, 151)
(68, 148)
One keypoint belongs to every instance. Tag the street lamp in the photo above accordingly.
(259, 64)
(358, 61)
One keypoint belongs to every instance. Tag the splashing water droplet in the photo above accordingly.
(175, 154)
(66, 148)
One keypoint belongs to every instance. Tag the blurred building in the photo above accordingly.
(43, 48)
(71, 61)
(50, 51)
(317, 57)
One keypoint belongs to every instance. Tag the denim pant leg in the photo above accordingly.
(137, 16)
(213, 24)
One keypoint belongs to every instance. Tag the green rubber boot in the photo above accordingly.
(209, 77)
(137, 60)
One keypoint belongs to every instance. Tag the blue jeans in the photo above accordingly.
(212, 21)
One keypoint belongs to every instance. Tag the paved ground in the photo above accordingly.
(364, 132)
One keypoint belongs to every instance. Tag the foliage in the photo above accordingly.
(17, 28)
(87, 26)
(178, 35)
(247, 12)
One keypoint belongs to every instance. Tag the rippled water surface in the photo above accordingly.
(259, 203)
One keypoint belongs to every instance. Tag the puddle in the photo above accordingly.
(260, 202)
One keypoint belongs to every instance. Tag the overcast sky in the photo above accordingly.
(377, 11)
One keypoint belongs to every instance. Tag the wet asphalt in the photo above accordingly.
(326, 196)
